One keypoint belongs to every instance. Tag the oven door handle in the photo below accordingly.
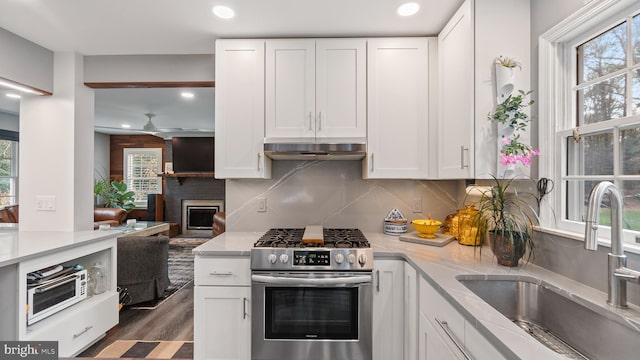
(283, 280)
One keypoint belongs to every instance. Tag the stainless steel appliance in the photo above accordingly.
(312, 295)
(49, 296)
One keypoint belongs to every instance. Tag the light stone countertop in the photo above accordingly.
(440, 266)
(17, 246)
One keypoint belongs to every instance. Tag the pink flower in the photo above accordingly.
(506, 141)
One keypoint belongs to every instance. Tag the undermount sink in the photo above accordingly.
(556, 319)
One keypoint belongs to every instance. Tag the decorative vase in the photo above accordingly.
(507, 246)
(505, 80)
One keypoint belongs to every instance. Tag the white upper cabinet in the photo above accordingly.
(455, 119)
(398, 108)
(468, 46)
(239, 105)
(316, 89)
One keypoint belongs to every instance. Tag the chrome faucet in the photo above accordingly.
(618, 273)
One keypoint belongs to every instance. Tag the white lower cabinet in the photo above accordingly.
(222, 309)
(410, 313)
(445, 334)
(388, 310)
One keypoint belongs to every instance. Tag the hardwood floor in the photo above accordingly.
(171, 320)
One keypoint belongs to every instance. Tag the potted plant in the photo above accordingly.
(507, 218)
(113, 194)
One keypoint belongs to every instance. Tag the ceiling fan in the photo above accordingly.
(151, 129)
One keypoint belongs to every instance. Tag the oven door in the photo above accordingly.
(311, 315)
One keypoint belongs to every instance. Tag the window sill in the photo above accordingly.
(628, 247)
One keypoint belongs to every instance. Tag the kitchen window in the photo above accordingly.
(141, 170)
(590, 108)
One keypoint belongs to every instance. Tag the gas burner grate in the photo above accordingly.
(333, 238)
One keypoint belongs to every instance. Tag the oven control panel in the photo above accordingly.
(311, 258)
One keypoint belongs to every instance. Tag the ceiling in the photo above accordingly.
(125, 27)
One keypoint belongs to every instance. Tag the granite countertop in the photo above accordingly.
(17, 246)
(440, 266)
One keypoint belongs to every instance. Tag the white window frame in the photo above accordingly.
(557, 109)
(142, 204)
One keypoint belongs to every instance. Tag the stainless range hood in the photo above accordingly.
(307, 151)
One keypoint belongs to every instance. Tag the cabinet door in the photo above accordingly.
(388, 310)
(478, 345)
(432, 346)
(397, 107)
(290, 89)
(341, 89)
(410, 312)
(239, 102)
(455, 136)
(222, 324)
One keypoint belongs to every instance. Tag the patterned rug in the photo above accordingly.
(180, 269)
(148, 349)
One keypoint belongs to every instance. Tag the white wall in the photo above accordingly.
(56, 152)
(148, 68)
(9, 121)
(101, 156)
(25, 62)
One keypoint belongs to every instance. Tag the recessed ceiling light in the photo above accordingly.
(223, 12)
(187, 95)
(408, 9)
(125, 126)
(13, 96)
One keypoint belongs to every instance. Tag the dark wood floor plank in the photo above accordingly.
(172, 320)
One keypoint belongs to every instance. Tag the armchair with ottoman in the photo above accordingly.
(109, 216)
(143, 267)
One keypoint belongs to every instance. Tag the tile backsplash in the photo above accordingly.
(333, 194)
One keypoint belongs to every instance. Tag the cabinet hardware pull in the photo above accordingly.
(462, 150)
(371, 161)
(244, 308)
(310, 119)
(82, 332)
(215, 273)
(320, 121)
(377, 280)
(259, 155)
(445, 327)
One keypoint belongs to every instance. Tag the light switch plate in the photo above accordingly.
(417, 205)
(262, 204)
(45, 203)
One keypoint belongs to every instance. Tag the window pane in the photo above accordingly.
(636, 39)
(631, 193)
(630, 147)
(604, 100)
(636, 92)
(592, 155)
(603, 54)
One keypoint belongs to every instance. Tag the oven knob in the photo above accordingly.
(351, 258)
(362, 259)
(284, 258)
(272, 258)
(339, 258)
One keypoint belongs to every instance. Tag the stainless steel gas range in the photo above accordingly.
(312, 295)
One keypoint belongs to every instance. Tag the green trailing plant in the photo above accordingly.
(506, 212)
(511, 113)
(114, 194)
